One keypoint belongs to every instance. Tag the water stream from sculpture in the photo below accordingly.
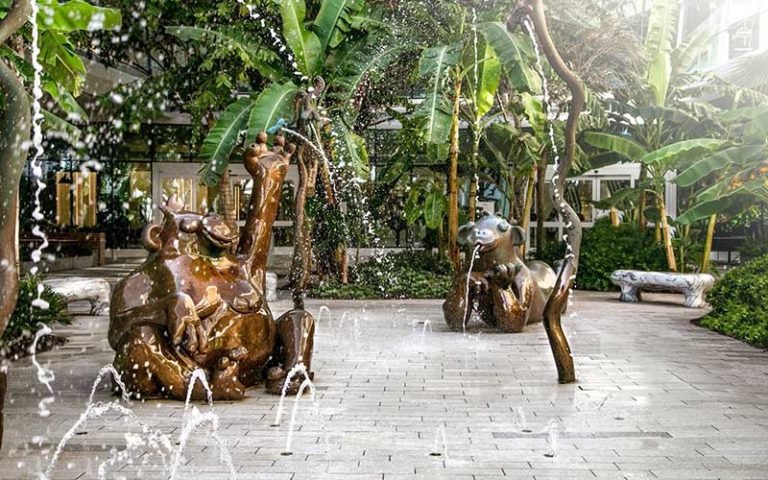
(38, 150)
(466, 297)
(44, 374)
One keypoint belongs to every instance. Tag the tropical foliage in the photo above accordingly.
(740, 304)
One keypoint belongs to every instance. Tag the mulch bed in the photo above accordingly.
(20, 347)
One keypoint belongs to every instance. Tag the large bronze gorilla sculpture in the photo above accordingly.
(509, 294)
(198, 300)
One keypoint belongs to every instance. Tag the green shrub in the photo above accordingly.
(605, 248)
(26, 319)
(407, 274)
(740, 303)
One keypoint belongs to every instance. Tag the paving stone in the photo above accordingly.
(657, 398)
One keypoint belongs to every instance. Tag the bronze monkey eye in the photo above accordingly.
(503, 226)
(189, 225)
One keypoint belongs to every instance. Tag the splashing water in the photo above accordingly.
(96, 410)
(92, 410)
(44, 374)
(466, 296)
(194, 419)
(427, 323)
(198, 375)
(440, 438)
(553, 428)
(307, 383)
(522, 421)
(109, 368)
(197, 420)
(37, 144)
(300, 368)
(327, 311)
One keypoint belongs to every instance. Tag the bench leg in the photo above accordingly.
(695, 298)
(629, 294)
(99, 306)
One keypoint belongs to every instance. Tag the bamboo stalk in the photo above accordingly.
(671, 263)
(525, 221)
(453, 177)
(708, 243)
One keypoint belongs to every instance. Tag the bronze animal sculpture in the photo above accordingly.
(509, 293)
(198, 300)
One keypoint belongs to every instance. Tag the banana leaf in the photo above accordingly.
(624, 146)
(435, 63)
(305, 45)
(274, 103)
(222, 138)
(717, 163)
(515, 53)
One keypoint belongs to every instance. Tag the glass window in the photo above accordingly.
(743, 37)
(76, 199)
(139, 211)
(181, 187)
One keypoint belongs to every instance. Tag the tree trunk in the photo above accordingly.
(14, 141)
(541, 176)
(227, 198)
(643, 199)
(453, 178)
(614, 213)
(557, 302)
(473, 180)
(525, 221)
(708, 243)
(667, 237)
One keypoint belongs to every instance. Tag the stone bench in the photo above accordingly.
(96, 291)
(692, 285)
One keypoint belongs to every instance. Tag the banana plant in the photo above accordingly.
(660, 128)
(319, 44)
(463, 71)
(736, 177)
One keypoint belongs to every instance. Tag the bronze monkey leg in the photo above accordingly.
(3, 387)
(295, 341)
(455, 308)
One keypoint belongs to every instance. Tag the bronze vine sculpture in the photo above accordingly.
(509, 294)
(198, 300)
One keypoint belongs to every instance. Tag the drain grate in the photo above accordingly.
(632, 434)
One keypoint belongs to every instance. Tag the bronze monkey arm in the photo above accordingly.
(268, 169)
(176, 313)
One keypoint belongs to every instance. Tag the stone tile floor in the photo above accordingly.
(657, 397)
